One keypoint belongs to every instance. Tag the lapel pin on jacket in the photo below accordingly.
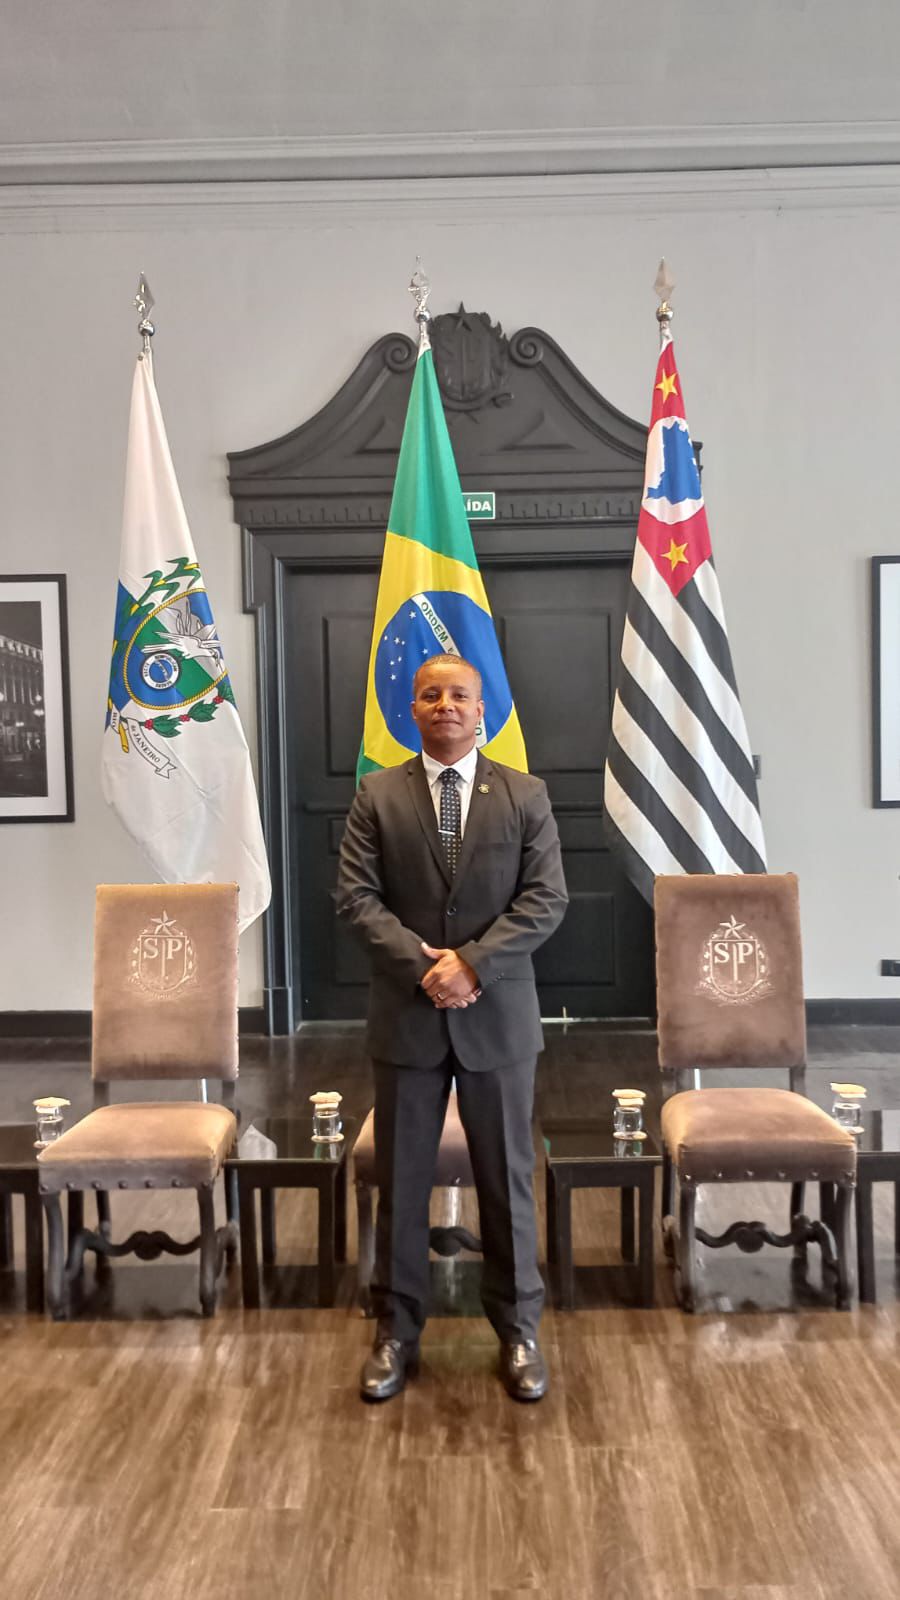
(484, 788)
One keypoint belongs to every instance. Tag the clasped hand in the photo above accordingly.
(451, 984)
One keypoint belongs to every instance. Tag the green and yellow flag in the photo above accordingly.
(430, 594)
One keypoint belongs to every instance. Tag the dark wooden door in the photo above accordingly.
(560, 629)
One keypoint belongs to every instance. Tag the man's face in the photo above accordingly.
(447, 709)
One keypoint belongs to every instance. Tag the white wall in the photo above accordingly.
(266, 301)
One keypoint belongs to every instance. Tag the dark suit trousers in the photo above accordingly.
(495, 1108)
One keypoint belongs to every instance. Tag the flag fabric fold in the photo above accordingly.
(680, 789)
(430, 594)
(175, 762)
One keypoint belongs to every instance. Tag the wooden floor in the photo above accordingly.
(750, 1451)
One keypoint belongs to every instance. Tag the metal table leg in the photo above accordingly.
(6, 1230)
(626, 1222)
(564, 1256)
(645, 1246)
(865, 1240)
(267, 1216)
(249, 1257)
(326, 1241)
(34, 1252)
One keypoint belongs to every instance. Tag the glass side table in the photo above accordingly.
(581, 1153)
(280, 1153)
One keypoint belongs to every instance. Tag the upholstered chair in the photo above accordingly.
(453, 1172)
(730, 995)
(165, 1007)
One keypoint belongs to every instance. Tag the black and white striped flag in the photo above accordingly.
(680, 789)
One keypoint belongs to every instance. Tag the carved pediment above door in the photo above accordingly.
(521, 416)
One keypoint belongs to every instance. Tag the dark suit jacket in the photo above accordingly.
(508, 895)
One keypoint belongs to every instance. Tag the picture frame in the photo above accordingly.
(35, 709)
(886, 680)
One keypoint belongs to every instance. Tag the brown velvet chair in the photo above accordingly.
(730, 995)
(165, 1007)
(453, 1172)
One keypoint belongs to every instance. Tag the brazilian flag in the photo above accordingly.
(430, 595)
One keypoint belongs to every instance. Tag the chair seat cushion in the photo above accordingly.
(147, 1145)
(453, 1164)
(746, 1135)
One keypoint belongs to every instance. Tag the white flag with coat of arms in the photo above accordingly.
(175, 762)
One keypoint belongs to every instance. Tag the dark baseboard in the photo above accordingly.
(77, 1024)
(863, 1013)
(252, 1019)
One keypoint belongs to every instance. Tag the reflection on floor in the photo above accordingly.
(751, 1451)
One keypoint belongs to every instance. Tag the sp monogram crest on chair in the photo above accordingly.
(165, 1006)
(734, 965)
(730, 994)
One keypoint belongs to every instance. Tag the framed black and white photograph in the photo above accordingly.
(35, 718)
(886, 678)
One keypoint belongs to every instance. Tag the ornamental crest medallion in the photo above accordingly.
(734, 965)
(167, 675)
(471, 359)
(163, 962)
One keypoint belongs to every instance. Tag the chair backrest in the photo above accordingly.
(729, 971)
(165, 981)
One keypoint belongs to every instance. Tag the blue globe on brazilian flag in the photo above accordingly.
(430, 595)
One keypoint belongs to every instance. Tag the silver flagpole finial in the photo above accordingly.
(664, 285)
(420, 289)
(143, 305)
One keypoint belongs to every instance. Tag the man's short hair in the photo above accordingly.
(446, 656)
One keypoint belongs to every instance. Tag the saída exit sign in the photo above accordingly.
(479, 504)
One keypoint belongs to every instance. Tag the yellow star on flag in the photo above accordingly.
(675, 554)
(667, 385)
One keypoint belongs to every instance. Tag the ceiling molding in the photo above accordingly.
(199, 206)
(504, 153)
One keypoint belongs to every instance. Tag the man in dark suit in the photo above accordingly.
(451, 874)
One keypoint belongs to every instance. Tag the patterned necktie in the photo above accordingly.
(451, 817)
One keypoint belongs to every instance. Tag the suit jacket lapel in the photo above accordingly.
(479, 806)
(422, 801)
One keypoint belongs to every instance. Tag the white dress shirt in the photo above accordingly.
(466, 769)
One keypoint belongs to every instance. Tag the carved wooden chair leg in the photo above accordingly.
(56, 1256)
(75, 1210)
(843, 1204)
(827, 1205)
(365, 1246)
(209, 1249)
(687, 1247)
(667, 1204)
(232, 1212)
(102, 1263)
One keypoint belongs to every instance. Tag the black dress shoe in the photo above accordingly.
(523, 1371)
(385, 1368)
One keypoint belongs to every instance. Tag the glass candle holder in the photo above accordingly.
(848, 1105)
(49, 1119)
(628, 1115)
(327, 1124)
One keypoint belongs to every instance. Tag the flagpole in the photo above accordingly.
(664, 285)
(143, 304)
(420, 289)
